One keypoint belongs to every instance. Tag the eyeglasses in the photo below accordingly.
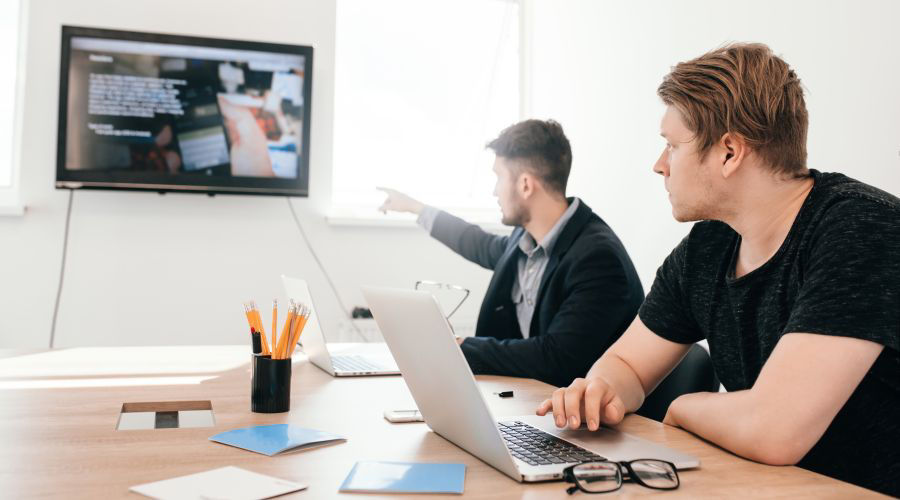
(423, 284)
(605, 476)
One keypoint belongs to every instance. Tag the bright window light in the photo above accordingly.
(132, 361)
(79, 383)
(9, 52)
(420, 87)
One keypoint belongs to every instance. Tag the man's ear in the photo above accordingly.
(733, 151)
(526, 185)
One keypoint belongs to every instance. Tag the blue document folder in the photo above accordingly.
(273, 439)
(405, 477)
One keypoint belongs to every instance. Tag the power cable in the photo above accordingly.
(324, 272)
(62, 268)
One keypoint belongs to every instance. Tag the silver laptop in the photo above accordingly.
(525, 448)
(340, 359)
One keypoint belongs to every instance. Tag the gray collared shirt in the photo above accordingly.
(531, 264)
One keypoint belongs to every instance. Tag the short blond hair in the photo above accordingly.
(744, 89)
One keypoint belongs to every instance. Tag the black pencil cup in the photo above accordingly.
(270, 384)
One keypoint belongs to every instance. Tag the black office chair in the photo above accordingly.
(694, 374)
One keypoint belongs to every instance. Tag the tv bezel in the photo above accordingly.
(146, 181)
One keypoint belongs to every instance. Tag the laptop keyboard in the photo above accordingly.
(350, 363)
(536, 447)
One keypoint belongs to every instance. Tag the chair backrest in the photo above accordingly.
(694, 374)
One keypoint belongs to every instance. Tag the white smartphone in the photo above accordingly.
(403, 416)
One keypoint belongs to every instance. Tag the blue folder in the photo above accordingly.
(405, 477)
(273, 439)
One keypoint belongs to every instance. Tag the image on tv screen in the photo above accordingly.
(161, 113)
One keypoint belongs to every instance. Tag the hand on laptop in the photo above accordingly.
(399, 202)
(593, 400)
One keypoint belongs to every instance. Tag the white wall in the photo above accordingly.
(150, 269)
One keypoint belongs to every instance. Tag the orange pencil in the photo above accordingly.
(249, 315)
(300, 327)
(284, 331)
(301, 310)
(287, 345)
(274, 321)
(287, 334)
(257, 317)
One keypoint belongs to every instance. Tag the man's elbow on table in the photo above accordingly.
(775, 440)
(772, 452)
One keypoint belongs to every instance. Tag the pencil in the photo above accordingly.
(285, 331)
(257, 318)
(302, 324)
(249, 315)
(256, 323)
(286, 335)
(298, 311)
(274, 321)
(301, 310)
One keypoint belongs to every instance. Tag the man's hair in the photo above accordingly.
(744, 89)
(543, 146)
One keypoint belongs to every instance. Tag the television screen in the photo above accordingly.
(178, 113)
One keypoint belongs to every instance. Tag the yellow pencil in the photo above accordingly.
(301, 310)
(284, 331)
(274, 321)
(249, 316)
(302, 324)
(257, 318)
(287, 345)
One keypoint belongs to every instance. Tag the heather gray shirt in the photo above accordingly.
(837, 273)
(531, 264)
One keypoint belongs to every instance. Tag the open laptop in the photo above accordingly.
(344, 359)
(525, 448)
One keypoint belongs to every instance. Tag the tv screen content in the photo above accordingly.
(177, 113)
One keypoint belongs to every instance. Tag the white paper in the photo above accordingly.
(226, 483)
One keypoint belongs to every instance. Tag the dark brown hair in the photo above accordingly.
(742, 89)
(543, 145)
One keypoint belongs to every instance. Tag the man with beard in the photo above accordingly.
(792, 275)
(563, 289)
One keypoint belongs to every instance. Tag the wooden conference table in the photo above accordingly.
(59, 409)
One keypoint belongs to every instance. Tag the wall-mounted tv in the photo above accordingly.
(180, 113)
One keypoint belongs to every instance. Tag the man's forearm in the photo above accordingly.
(617, 373)
(466, 239)
(732, 420)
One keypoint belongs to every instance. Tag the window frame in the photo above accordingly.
(10, 195)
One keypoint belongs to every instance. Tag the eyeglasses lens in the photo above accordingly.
(598, 476)
(655, 473)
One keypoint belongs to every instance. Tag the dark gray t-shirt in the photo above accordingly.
(837, 273)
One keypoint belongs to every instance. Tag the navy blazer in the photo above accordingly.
(589, 294)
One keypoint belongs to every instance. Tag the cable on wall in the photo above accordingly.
(325, 273)
(62, 268)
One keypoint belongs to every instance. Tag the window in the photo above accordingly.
(420, 87)
(9, 44)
